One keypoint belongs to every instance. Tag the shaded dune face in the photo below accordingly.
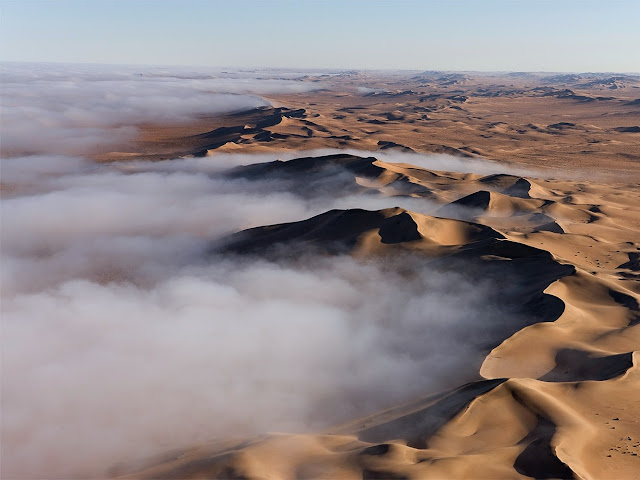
(342, 230)
(337, 174)
(554, 399)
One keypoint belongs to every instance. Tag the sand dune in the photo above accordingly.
(535, 205)
(521, 120)
(518, 428)
(557, 396)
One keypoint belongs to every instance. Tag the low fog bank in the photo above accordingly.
(451, 163)
(74, 217)
(99, 373)
(122, 338)
(430, 161)
(72, 109)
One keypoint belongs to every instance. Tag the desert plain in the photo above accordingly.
(519, 190)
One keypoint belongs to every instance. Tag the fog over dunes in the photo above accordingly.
(122, 335)
(72, 109)
(152, 303)
(114, 313)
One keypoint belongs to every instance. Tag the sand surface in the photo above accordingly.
(555, 396)
(589, 122)
(558, 397)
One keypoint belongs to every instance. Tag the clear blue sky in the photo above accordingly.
(560, 35)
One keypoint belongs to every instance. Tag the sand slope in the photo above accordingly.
(556, 397)
(578, 123)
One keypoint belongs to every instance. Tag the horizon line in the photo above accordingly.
(320, 68)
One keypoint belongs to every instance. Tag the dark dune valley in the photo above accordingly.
(350, 274)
